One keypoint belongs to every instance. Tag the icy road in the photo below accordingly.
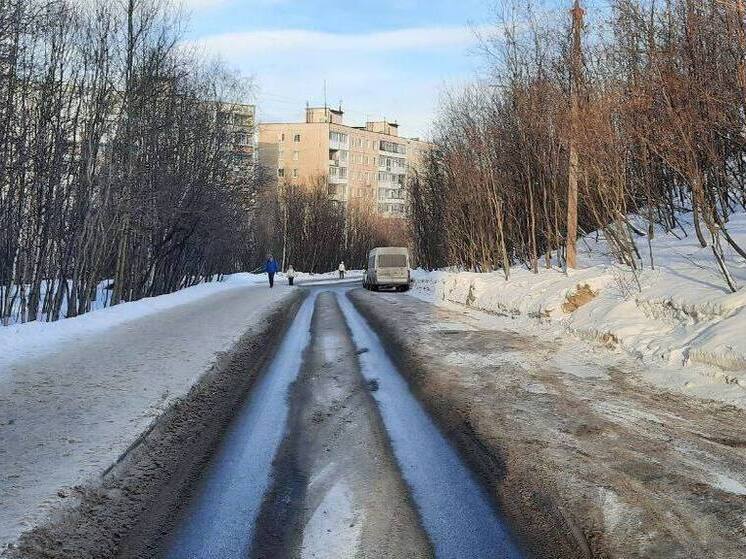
(333, 457)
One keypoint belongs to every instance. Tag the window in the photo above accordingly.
(295, 155)
(241, 119)
(338, 137)
(365, 159)
(296, 138)
(393, 147)
(280, 172)
(343, 155)
(282, 137)
(295, 173)
(242, 139)
(392, 260)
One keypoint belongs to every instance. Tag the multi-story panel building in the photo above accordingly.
(240, 123)
(368, 162)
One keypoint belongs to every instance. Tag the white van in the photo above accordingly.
(387, 267)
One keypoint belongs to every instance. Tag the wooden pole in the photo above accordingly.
(572, 183)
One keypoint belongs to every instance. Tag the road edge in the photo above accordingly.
(486, 457)
(129, 509)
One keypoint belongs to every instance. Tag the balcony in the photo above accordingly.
(336, 145)
(393, 170)
(395, 165)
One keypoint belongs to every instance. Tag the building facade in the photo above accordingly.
(368, 162)
(241, 125)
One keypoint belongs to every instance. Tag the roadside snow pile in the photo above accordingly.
(676, 312)
(306, 277)
(86, 388)
(19, 341)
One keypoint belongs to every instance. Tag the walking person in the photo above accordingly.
(342, 270)
(271, 268)
(290, 273)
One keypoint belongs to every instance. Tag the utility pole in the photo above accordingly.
(576, 56)
(284, 207)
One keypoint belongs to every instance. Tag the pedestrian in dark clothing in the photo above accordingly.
(271, 268)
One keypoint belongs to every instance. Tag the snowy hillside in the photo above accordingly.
(676, 315)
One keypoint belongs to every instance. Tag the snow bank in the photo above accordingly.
(675, 313)
(326, 277)
(19, 341)
(90, 386)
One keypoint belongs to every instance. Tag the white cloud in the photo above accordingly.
(393, 74)
(195, 5)
(275, 41)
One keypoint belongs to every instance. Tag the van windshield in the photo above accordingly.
(392, 260)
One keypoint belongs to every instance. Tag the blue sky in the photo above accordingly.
(381, 58)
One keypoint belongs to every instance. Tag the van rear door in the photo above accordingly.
(392, 268)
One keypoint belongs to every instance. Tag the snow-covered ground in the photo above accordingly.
(75, 394)
(329, 278)
(103, 293)
(23, 341)
(682, 321)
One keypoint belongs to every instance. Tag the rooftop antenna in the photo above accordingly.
(324, 95)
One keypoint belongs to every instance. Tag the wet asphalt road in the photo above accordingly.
(333, 457)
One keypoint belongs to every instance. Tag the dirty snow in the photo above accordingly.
(729, 485)
(682, 323)
(76, 393)
(334, 529)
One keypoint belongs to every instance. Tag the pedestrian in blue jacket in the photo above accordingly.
(271, 268)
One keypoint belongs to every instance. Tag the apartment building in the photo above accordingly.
(368, 162)
(240, 123)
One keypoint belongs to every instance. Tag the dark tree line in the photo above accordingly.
(655, 116)
(303, 226)
(119, 171)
